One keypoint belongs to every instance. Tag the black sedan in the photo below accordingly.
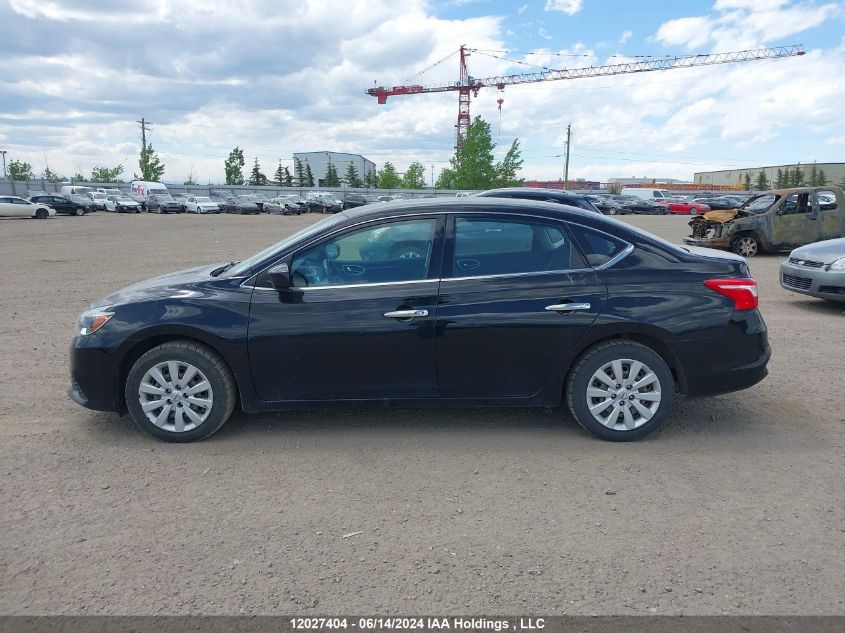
(508, 303)
(542, 195)
(61, 204)
(631, 205)
(242, 205)
(720, 203)
(354, 200)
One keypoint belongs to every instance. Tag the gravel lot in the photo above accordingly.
(735, 507)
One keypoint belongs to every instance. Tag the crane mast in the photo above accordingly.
(467, 85)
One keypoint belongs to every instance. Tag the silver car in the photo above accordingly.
(817, 270)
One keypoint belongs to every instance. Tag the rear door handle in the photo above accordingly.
(406, 314)
(568, 307)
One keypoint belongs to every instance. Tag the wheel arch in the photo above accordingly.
(651, 339)
(140, 347)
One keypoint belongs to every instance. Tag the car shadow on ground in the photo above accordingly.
(722, 417)
(819, 306)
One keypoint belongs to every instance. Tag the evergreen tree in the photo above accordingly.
(288, 180)
(798, 176)
(822, 178)
(77, 177)
(152, 168)
(256, 177)
(234, 166)
(371, 179)
(280, 175)
(780, 179)
(747, 182)
(309, 176)
(814, 176)
(388, 178)
(299, 170)
(190, 180)
(331, 179)
(414, 176)
(351, 177)
(762, 183)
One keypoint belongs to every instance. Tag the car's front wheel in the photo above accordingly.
(180, 391)
(745, 245)
(620, 390)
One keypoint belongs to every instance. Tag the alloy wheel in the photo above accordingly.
(623, 394)
(746, 246)
(175, 396)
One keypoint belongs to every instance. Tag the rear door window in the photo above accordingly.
(599, 248)
(502, 246)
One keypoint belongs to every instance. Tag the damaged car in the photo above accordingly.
(773, 221)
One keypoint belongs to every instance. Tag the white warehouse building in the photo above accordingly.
(319, 162)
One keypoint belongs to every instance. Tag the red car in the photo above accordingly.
(684, 208)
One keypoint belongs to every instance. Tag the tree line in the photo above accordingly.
(788, 178)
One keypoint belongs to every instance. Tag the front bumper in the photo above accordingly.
(93, 376)
(815, 282)
(722, 243)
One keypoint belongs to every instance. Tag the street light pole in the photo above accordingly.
(3, 151)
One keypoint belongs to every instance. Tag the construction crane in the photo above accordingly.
(466, 84)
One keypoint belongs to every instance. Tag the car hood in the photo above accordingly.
(158, 287)
(247, 205)
(827, 251)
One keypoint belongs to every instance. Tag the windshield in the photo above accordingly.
(761, 203)
(203, 199)
(163, 196)
(250, 197)
(245, 266)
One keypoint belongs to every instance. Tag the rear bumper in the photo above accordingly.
(734, 360)
(815, 282)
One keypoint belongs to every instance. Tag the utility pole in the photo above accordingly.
(3, 151)
(144, 124)
(566, 164)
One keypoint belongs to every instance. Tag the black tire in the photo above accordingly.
(209, 363)
(597, 357)
(42, 214)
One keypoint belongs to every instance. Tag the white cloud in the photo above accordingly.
(569, 7)
(626, 35)
(522, 9)
(740, 24)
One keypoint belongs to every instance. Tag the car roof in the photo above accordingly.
(473, 204)
(535, 190)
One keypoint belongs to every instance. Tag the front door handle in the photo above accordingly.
(568, 307)
(406, 314)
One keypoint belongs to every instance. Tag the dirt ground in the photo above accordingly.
(736, 507)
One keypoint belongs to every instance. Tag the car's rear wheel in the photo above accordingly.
(745, 245)
(42, 214)
(180, 391)
(620, 390)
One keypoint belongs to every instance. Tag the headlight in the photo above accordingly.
(92, 321)
(839, 264)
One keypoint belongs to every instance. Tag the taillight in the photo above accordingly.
(741, 290)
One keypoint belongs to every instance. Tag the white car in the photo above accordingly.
(14, 207)
(98, 198)
(122, 204)
(201, 204)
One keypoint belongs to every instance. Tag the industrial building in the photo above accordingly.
(319, 163)
(834, 173)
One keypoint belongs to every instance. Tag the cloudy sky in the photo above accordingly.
(280, 76)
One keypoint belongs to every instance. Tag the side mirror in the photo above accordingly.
(280, 276)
